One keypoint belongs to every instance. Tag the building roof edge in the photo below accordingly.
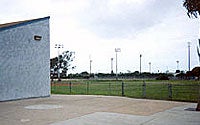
(21, 23)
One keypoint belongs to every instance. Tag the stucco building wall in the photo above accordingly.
(24, 61)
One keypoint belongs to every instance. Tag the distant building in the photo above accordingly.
(24, 59)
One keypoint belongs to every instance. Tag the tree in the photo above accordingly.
(65, 60)
(64, 64)
(53, 66)
(196, 72)
(198, 51)
(193, 7)
(53, 62)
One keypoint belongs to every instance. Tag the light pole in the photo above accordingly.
(90, 64)
(149, 67)
(117, 50)
(90, 67)
(58, 46)
(177, 65)
(188, 56)
(140, 63)
(111, 65)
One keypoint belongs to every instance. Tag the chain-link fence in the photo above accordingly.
(136, 89)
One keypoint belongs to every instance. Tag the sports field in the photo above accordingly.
(177, 90)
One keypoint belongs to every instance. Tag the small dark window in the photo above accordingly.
(37, 38)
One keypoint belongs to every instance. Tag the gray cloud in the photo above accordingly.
(121, 20)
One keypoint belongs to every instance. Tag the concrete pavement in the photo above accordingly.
(96, 110)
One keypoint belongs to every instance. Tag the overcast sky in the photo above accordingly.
(157, 29)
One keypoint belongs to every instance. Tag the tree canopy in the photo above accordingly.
(64, 64)
(193, 7)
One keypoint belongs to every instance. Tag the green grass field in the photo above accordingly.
(153, 89)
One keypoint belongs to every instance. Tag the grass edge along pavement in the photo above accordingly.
(175, 90)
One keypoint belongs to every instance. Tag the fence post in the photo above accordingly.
(122, 88)
(170, 91)
(87, 90)
(109, 88)
(70, 87)
(144, 90)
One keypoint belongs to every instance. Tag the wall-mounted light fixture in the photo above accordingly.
(37, 38)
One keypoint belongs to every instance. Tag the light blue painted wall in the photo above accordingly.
(24, 62)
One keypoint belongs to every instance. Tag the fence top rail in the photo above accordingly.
(186, 85)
